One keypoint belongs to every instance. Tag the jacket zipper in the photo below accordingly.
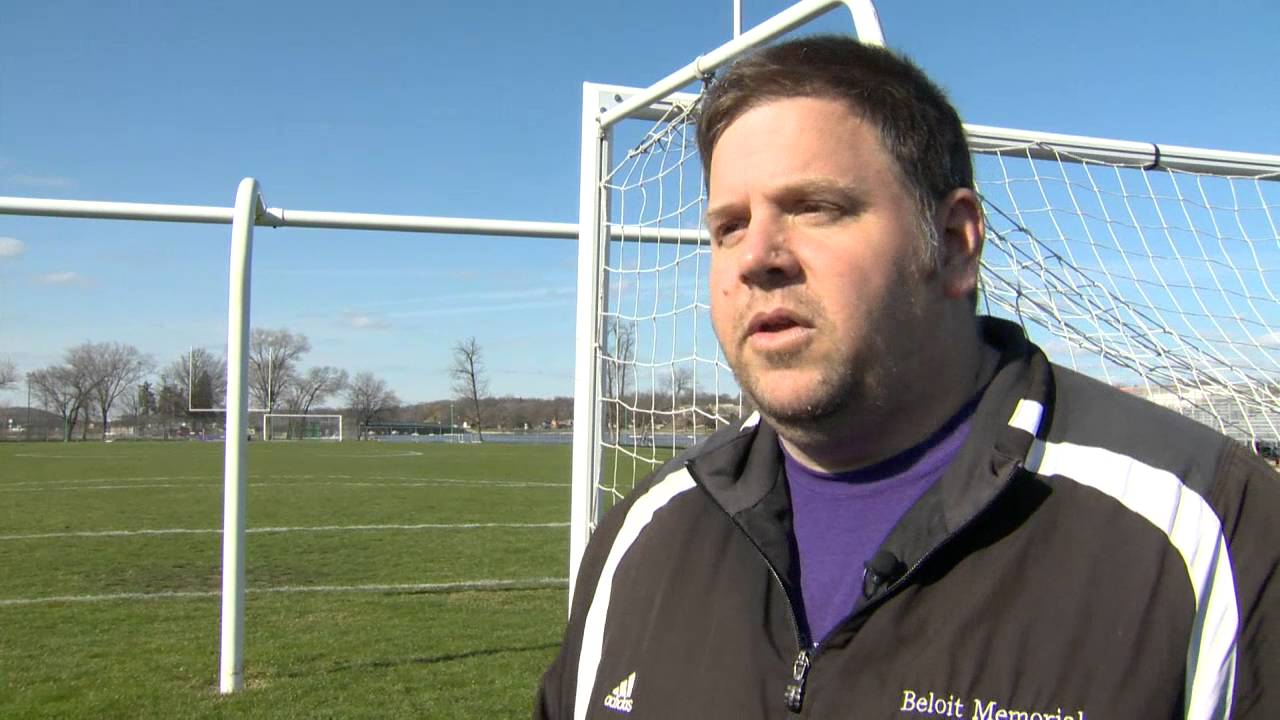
(809, 651)
(795, 689)
(794, 693)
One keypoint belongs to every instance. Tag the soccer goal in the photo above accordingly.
(291, 426)
(1151, 267)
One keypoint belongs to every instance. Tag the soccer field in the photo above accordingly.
(384, 580)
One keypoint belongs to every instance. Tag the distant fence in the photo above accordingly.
(15, 428)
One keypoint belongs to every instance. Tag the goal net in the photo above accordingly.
(285, 426)
(1149, 267)
(1155, 269)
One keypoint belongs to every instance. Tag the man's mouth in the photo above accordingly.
(777, 327)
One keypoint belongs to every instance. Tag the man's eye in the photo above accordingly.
(726, 230)
(818, 208)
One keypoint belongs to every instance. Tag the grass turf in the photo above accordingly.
(333, 653)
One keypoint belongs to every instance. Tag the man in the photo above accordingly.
(925, 519)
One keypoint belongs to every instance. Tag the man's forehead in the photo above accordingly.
(829, 107)
(846, 157)
(800, 187)
(810, 131)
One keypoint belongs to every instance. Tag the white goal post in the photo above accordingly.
(1154, 268)
(296, 426)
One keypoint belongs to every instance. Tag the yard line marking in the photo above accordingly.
(421, 483)
(419, 526)
(74, 481)
(98, 456)
(258, 483)
(315, 528)
(463, 586)
(265, 479)
(364, 479)
(406, 453)
(103, 487)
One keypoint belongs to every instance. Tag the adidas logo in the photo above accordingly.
(620, 698)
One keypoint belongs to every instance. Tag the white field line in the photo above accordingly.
(264, 479)
(89, 456)
(363, 479)
(525, 584)
(112, 487)
(265, 482)
(102, 456)
(79, 481)
(253, 478)
(433, 483)
(374, 456)
(318, 528)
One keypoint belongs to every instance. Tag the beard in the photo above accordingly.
(856, 382)
(839, 381)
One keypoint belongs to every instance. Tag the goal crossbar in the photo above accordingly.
(1146, 155)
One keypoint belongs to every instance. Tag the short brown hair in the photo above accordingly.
(917, 124)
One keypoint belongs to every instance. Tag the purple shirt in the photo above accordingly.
(841, 519)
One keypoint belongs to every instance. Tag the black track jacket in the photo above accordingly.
(1087, 556)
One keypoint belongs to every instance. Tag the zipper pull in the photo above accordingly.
(795, 688)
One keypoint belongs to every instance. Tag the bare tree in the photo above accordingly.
(679, 386)
(8, 373)
(187, 371)
(314, 386)
(617, 369)
(134, 402)
(470, 384)
(368, 396)
(61, 390)
(273, 363)
(83, 361)
(620, 354)
(112, 368)
(140, 402)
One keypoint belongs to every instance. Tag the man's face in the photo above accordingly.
(819, 294)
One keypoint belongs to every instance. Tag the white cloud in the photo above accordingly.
(363, 321)
(11, 247)
(448, 309)
(436, 301)
(1271, 339)
(41, 181)
(66, 277)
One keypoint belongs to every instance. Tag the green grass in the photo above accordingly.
(337, 653)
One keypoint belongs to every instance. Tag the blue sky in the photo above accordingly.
(468, 109)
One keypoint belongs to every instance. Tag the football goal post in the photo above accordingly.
(1151, 267)
(293, 426)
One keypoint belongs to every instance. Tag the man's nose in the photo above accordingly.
(768, 258)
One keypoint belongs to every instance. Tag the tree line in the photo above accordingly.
(94, 379)
(100, 381)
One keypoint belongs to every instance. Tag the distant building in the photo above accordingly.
(1242, 411)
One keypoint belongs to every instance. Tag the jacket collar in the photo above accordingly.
(743, 473)
(741, 468)
(991, 455)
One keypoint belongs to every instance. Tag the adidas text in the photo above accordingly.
(620, 698)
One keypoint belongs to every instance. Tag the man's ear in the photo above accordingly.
(960, 234)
